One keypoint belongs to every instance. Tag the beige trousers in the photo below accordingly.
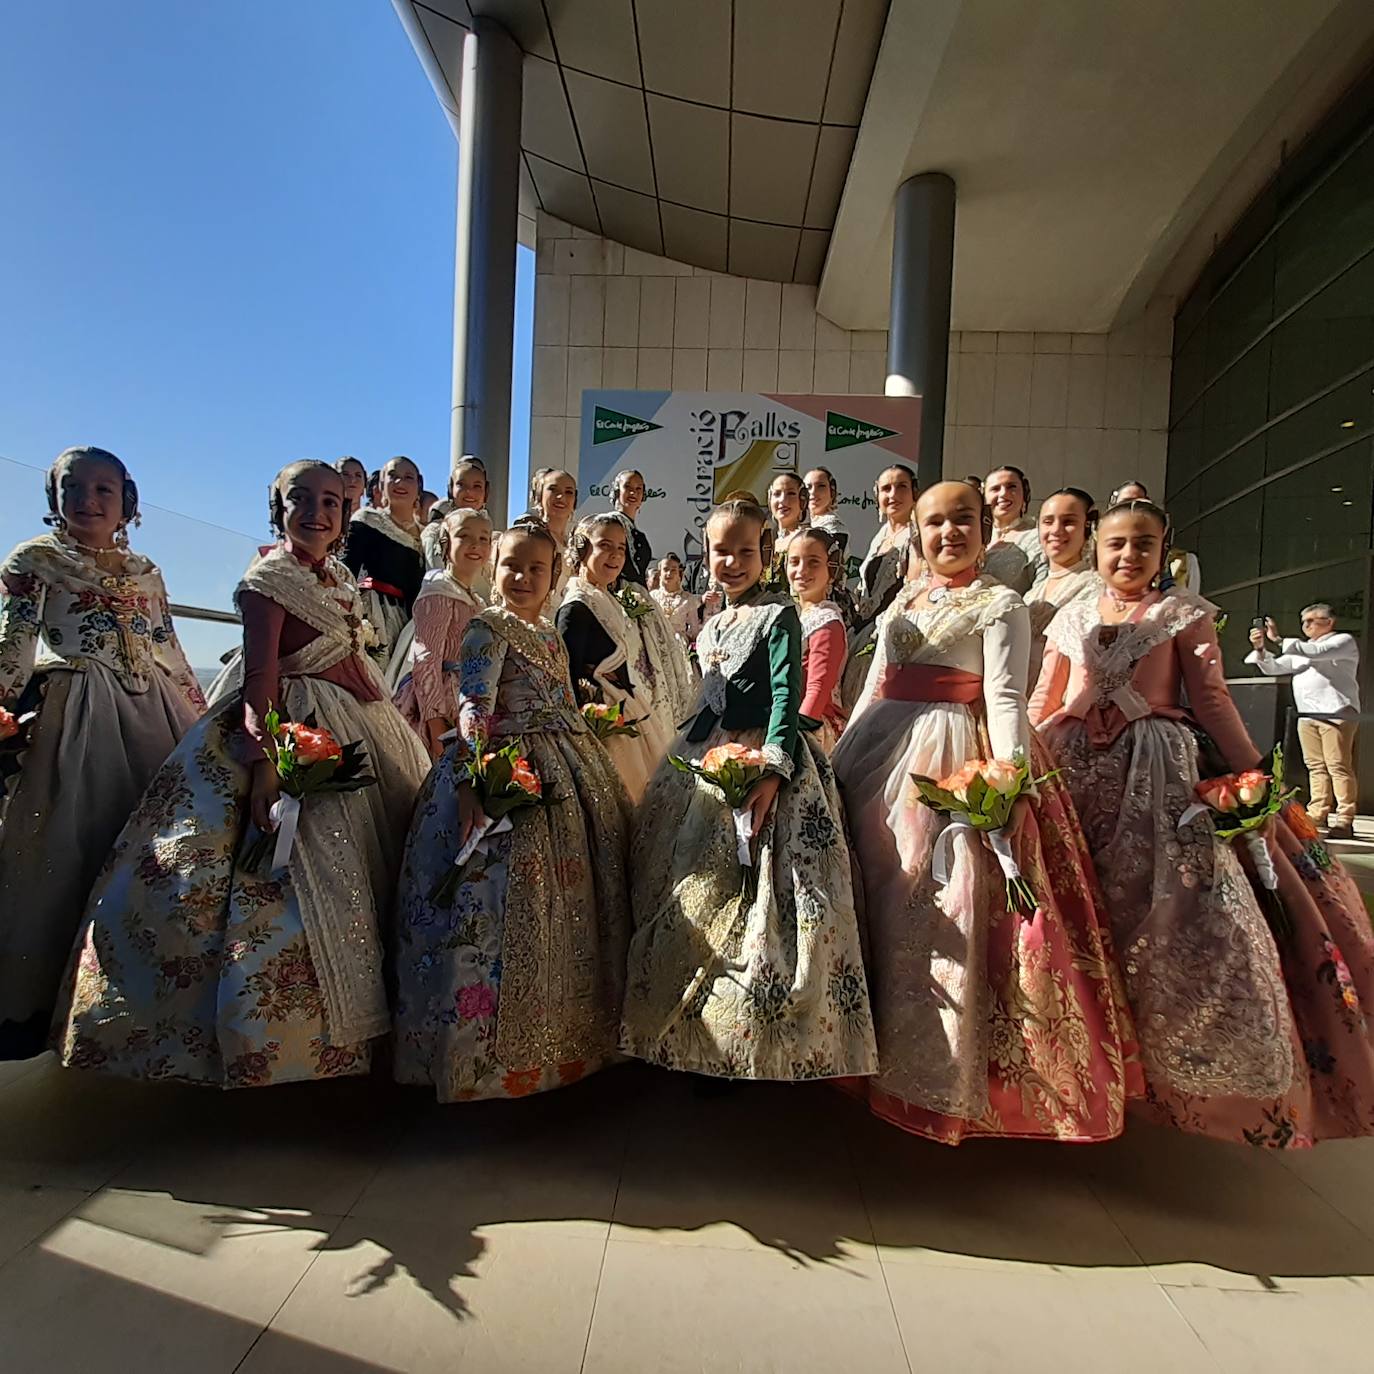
(1328, 749)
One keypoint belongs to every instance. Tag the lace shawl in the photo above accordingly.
(724, 649)
(377, 519)
(345, 945)
(1109, 668)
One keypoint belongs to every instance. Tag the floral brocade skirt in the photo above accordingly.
(736, 984)
(989, 1024)
(1243, 1038)
(188, 967)
(516, 987)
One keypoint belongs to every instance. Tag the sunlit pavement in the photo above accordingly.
(629, 1224)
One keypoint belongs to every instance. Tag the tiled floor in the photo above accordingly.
(629, 1224)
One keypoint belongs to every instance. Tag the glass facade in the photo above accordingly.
(1271, 427)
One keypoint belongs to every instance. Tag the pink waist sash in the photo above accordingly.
(929, 682)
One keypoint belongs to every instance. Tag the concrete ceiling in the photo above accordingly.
(767, 137)
(1086, 140)
(716, 132)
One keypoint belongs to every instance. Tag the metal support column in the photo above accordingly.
(484, 267)
(918, 324)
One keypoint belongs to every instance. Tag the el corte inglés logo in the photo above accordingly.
(843, 430)
(609, 425)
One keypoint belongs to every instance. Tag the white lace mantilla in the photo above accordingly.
(817, 615)
(377, 519)
(1075, 632)
(727, 641)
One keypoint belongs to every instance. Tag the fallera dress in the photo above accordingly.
(824, 652)
(517, 986)
(721, 982)
(1241, 1038)
(189, 966)
(880, 579)
(635, 661)
(389, 562)
(988, 1024)
(428, 686)
(95, 654)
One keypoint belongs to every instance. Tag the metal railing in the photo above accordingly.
(204, 613)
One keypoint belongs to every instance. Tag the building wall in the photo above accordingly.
(1087, 410)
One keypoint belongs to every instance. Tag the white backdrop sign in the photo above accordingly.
(694, 446)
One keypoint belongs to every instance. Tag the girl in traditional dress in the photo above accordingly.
(1067, 520)
(190, 966)
(764, 978)
(517, 986)
(813, 564)
(1014, 555)
(86, 642)
(627, 496)
(680, 607)
(384, 554)
(989, 1023)
(881, 573)
(553, 499)
(467, 490)
(787, 505)
(621, 650)
(355, 481)
(449, 598)
(1241, 1038)
(1182, 568)
(822, 495)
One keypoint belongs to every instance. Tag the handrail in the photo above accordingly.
(203, 613)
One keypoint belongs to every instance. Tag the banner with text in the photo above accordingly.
(695, 446)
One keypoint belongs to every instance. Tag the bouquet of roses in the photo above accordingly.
(979, 797)
(308, 760)
(632, 603)
(734, 769)
(14, 739)
(504, 781)
(1239, 804)
(609, 721)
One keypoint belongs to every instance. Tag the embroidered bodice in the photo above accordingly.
(381, 551)
(443, 611)
(750, 656)
(982, 629)
(682, 610)
(1110, 675)
(1014, 557)
(62, 609)
(881, 570)
(514, 678)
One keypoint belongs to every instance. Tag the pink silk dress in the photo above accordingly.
(442, 612)
(989, 1024)
(1241, 1038)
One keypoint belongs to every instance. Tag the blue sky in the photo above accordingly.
(227, 243)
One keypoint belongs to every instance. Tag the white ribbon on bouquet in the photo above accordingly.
(285, 816)
(478, 840)
(1253, 842)
(942, 856)
(744, 822)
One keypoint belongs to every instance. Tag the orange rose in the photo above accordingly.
(9, 727)
(958, 782)
(1251, 786)
(314, 746)
(1219, 793)
(1001, 776)
(731, 751)
(525, 778)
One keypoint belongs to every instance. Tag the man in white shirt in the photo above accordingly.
(1326, 691)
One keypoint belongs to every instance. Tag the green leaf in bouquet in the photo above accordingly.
(977, 795)
(314, 776)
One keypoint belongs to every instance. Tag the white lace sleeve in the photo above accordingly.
(1006, 655)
